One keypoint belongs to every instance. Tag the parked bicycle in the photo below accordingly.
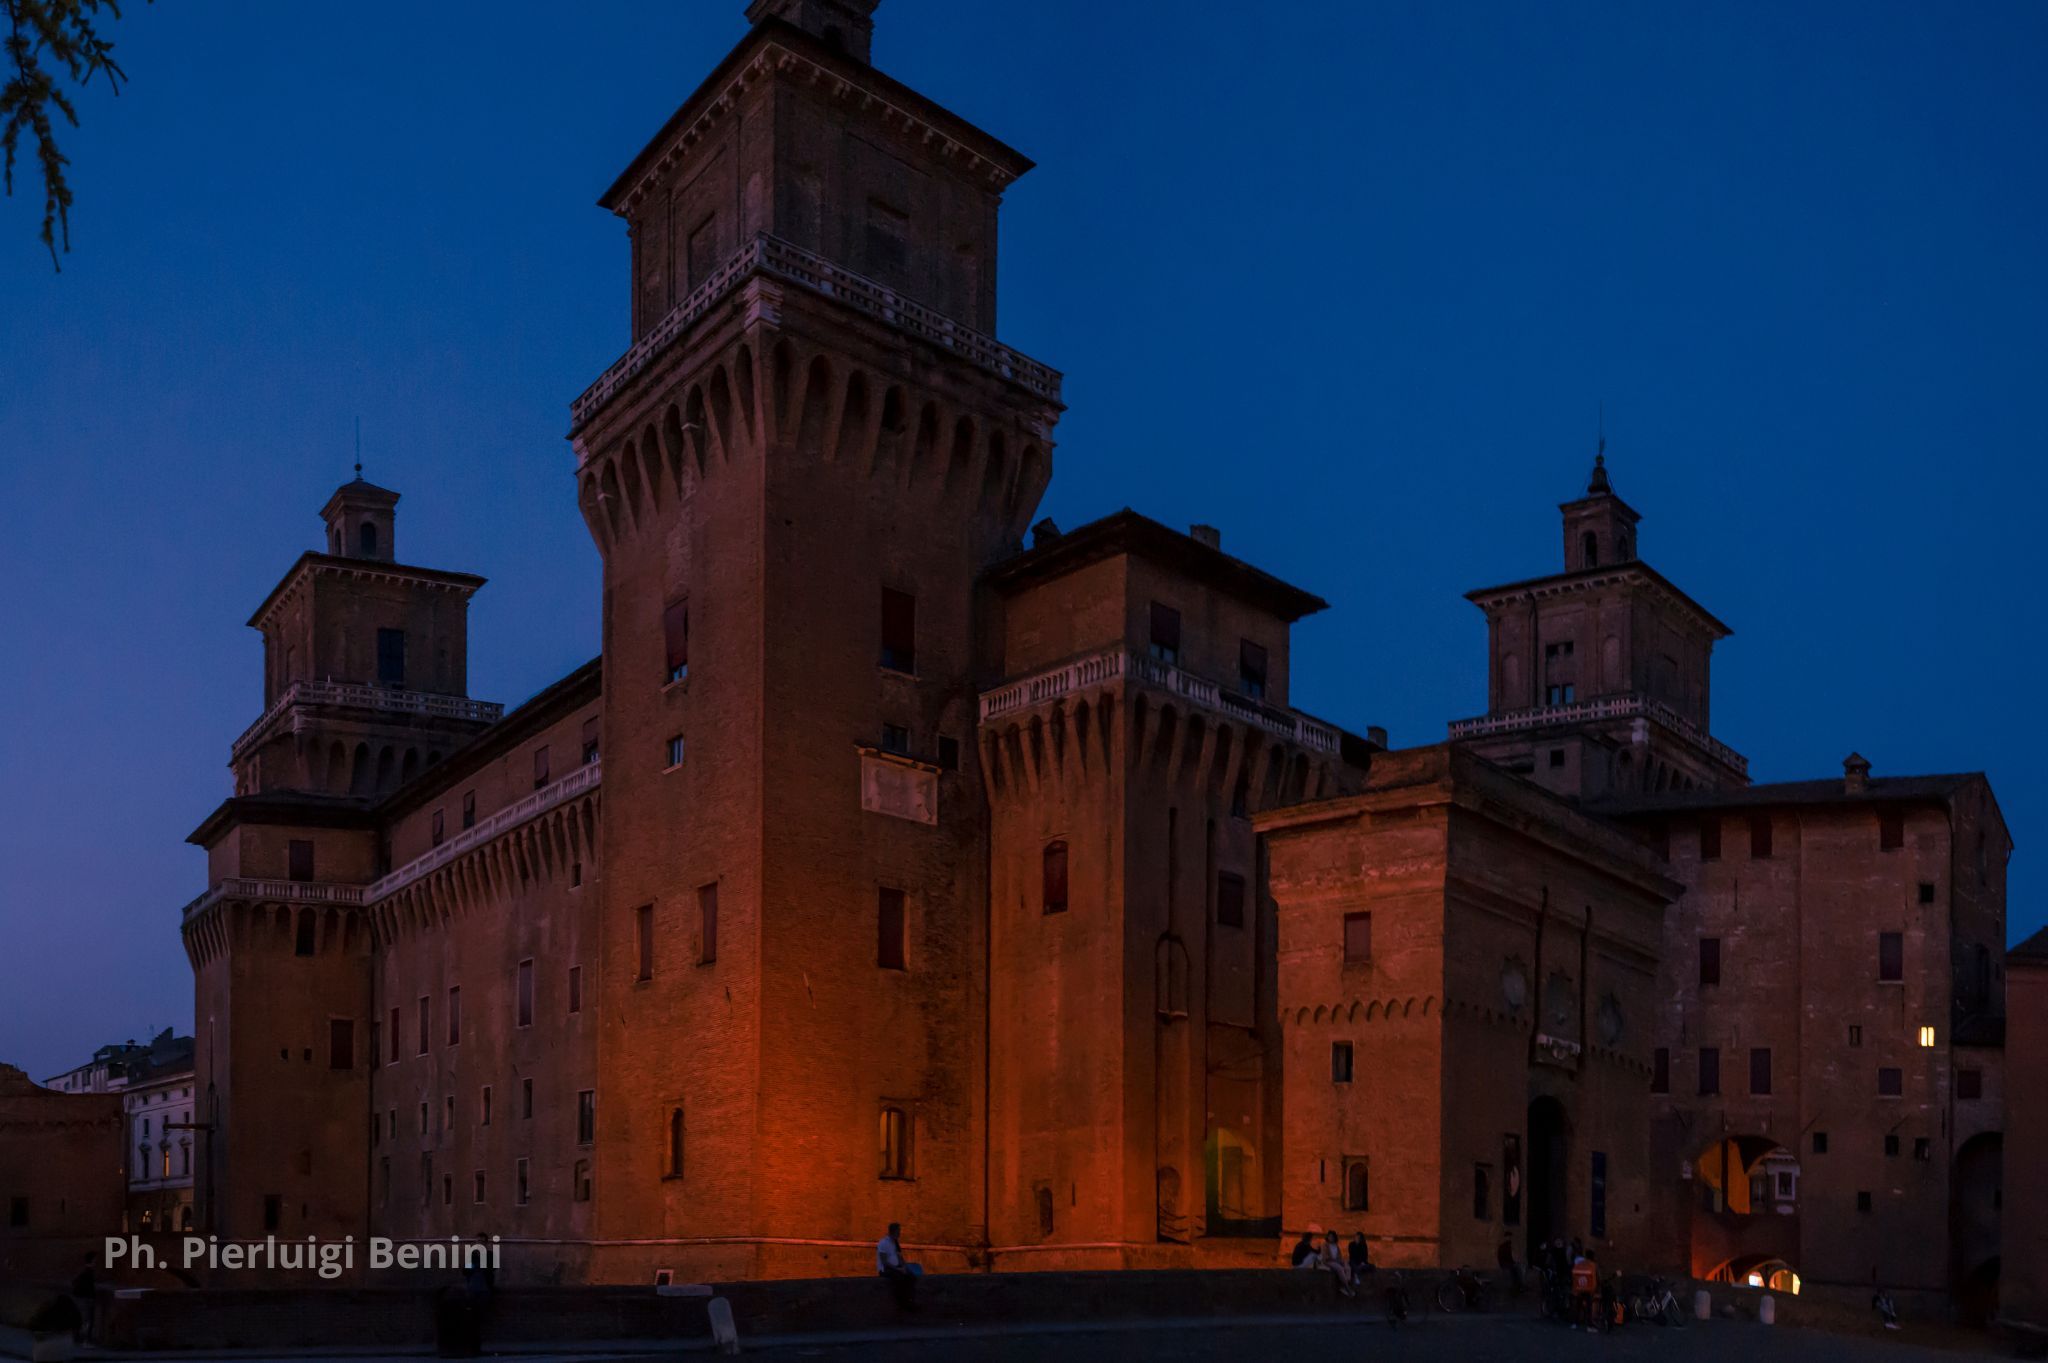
(1658, 1304)
(1464, 1290)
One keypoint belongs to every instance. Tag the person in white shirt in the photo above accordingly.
(890, 1264)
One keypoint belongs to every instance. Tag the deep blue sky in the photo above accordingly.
(1348, 280)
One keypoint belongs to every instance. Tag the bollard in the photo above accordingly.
(724, 1333)
(1702, 1305)
(1766, 1310)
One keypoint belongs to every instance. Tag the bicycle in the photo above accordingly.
(1464, 1290)
(1657, 1304)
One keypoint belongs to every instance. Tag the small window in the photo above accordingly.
(1891, 831)
(1482, 1192)
(1891, 957)
(643, 931)
(469, 809)
(1710, 1071)
(1926, 892)
(586, 1116)
(1926, 1037)
(1251, 669)
(1710, 838)
(426, 1034)
(575, 988)
(303, 943)
(1710, 960)
(1969, 1084)
(675, 634)
(526, 993)
(1923, 1149)
(1230, 900)
(592, 743)
(1855, 1034)
(1043, 1197)
(895, 1142)
(540, 766)
(1357, 938)
(1340, 1062)
(899, 631)
(1891, 1081)
(676, 750)
(273, 1211)
(949, 754)
(1053, 878)
(299, 859)
(674, 1168)
(1760, 837)
(707, 923)
(896, 739)
(483, 1106)
(391, 657)
(1165, 639)
(526, 1099)
(1760, 1071)
(519, 1181)
(889, 929)
(581, 1181)
(1557, 757)
(1820, 1142)
(454, 1015)
(1357, 1185)
(366, 539)
(394, 1036)
(1891, 1145)
(1862, 1200)
(477, 1187)
(1660, 1070)
(341, 1044)
(439, 829)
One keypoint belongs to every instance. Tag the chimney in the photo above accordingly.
(1206, 534)
(1855, 773)
(1376, 734)
(1044, 533)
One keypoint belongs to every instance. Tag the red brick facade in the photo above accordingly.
(884, 869)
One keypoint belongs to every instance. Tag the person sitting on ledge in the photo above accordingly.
(1305, 1252)
(901, 1273)
(1361, 1257)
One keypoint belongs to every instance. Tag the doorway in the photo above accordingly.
(1549, 1154)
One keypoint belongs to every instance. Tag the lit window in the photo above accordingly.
(1926, 1036)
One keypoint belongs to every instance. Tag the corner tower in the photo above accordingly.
(1597, 677)
(794, 477)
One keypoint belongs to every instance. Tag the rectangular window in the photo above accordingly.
(17, 1212)
(1891, 1145)
(895, 1141)
(1760, 1071)
(1891, 957)
(394, 1036)
(1230, 900)
(899, 631)
(1710, 1071)
(1660, 1070)
(581, 1181)
(519, 1181)
(643, 931)
(484, 1106)
(676, 750)
(477, 1187)
(1165, 641)
(1251, 669)
(273, 1211)
(1357, 938)
(949, 754)
(376, 1046)
(469, 809)
(454, 1015)
(575, 988)
(590, 740)
(1820, 1142)
(889, 929)
(423, 1117)
(896, 739)
(1759, 837)
(1855, 1034)
(526, 1099)
(1482, 1192)
(1710, 960)
(1357, 1185)
(1923, 1149)
(341, 1044)
(391, 657)
(1926, 892)
(303, 943)
(707, 923)
(439, 828)
(586, 1116)
(1862, 1200)
(1926, 1037)
(1710, 838)
(1890, 1081)
(1891, 831)
(526, 993)
(1340, 1062)
(1969, 1084)
(1599, 1191)
(299, 859)
(1052, 880)
(675, 637)
(426, 1037)
(448, 1113)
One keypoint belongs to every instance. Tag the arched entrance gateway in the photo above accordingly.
(1745, 1213)
(1974, 1206)
(1549, 1158)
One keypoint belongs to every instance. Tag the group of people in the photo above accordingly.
(1347, 1264)
(1573, 1287)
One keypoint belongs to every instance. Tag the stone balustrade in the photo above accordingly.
(361, 696)
(275, 892)
(784, 260)
(1595, 711)
(1116, 663)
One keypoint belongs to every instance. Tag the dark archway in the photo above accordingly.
(1549, 1156)
(1975, 1207)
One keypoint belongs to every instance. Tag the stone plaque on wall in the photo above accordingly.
(899, 787)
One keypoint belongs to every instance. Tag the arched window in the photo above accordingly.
(895, 1142)
(1590, 550)
(1053, 880)
(1357, 1188)
(675, 1143)
(366, 539)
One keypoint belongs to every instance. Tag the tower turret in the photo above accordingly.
(362, 521)
(1599, 527)
(846, 26)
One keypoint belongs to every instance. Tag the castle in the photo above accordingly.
(884, 868)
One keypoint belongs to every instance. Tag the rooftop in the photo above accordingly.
(1827, 791)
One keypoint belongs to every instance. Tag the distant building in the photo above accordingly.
(154, 1080)
(60, 1177)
